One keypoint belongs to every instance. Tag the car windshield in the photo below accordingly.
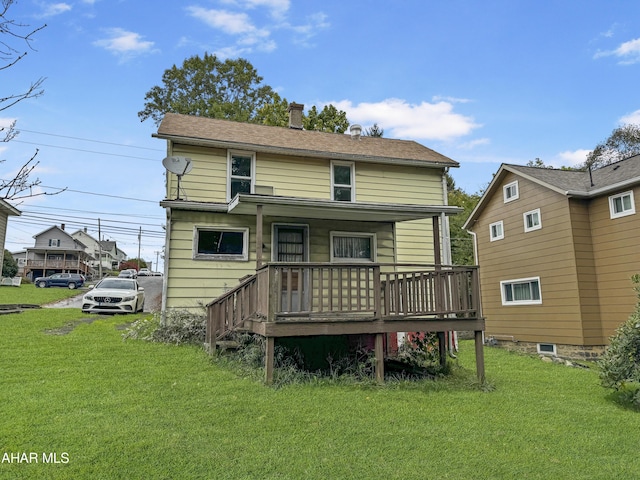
(117, 284)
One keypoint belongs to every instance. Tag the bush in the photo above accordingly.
(179, 327)
(9, 265)
(620, 363)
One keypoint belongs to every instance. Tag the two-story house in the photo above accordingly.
(296, 232)
(106, 250)
(557, 250)
(6, 210)
(55, 251)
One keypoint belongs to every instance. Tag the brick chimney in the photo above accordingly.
(62, 226)
(295, 115)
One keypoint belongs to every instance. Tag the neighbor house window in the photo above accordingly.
(54, 242)
(346, 246)
(532, 220)
(241, 169)
(547, 349)
(510, 191)
(497, 231)
(622, 205)
(342, 181)
(523, 291)
(221, 244)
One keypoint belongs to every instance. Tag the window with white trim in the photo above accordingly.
(532, 220)
(343, 181)
(522, 291)
(622, 204)
(211, 243)
(511, 192)
(54, 242)
(241, 173)
(496, 231)
(353, 247)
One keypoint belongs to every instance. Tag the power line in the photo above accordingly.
(86, 151)
(102, 194)
(89, 140)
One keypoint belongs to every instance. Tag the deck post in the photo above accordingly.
(258, 236)
(268, 360)
(379, 352)
(442, 348)
(479, 356)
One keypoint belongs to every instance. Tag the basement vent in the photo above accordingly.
(547, 349)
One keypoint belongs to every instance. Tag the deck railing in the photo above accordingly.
(351, 292)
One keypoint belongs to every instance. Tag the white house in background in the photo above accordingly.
(6, 210)
(106, 250)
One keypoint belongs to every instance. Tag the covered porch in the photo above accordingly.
(291, 299)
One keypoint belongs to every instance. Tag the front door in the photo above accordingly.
(291, 245)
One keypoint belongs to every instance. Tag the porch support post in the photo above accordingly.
(379, 352)
(437, 256)
(268, 360)
(479, 356)
(258, 236)
(442, 348)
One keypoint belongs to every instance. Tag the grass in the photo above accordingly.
(32, 295)
(124, 410)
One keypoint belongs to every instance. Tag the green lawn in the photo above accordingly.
(112, 409)
(30, 294)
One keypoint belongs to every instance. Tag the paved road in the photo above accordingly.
(152, 295)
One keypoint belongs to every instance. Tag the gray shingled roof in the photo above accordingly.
(228, 134)
(581, 183)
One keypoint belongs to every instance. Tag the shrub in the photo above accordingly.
(179, 327)
(620, 363)
(9, 265)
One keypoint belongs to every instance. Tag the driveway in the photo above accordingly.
(152, 295)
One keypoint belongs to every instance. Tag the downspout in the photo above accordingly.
(166, 268)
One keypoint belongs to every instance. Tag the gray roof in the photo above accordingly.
(196, 130)
(582, 184)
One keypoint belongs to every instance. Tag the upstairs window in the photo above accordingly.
(342, 182)
(622, 205)
(511, 192)
(54, 242)
(241, 173)
(496, 231)
(523, 291)
(532, 220)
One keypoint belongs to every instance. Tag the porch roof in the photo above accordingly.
(281, 206)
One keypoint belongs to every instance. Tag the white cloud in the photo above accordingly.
(627, 52)
(632, 118)
(124, 44)
(399, 119)
(53, 9)
(570, 158)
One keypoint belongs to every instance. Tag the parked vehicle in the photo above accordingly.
(144, 272)
(114, 295)
(128, 273)
(68, 280)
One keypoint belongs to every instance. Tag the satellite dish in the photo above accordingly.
(180, 166)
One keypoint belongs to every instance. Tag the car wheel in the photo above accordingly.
(142, 307)
(72, 286)
(42, 284)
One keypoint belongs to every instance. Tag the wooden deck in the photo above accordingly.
(301, 299)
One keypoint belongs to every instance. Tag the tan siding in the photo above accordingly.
(546, 253)
(397, 184)
(295, 176)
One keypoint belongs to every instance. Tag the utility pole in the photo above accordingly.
(157, 253)
(100, 250)
(139, 240)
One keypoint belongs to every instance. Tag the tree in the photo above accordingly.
(209, 87)
(9, 265)
(11, 32)
(624, 142)
(132, 263)
(461, 241)
(230, 90)
(374, 131)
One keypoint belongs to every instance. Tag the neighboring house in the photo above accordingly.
(307, 225)
(55, 251)
(557, 249)
(106, 250)
(6, 210)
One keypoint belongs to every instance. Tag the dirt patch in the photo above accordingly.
(70, 326)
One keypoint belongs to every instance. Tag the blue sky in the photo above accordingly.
(484, 83)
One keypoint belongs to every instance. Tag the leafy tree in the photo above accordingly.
(275, 113)
(620, 363)
(9, 265)
(374, 131)
(330, 119)
(461, 241)
(623, 142)
(12, 32)
(209, 87)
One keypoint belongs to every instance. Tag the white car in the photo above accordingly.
(114, 295)
(144, 272)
